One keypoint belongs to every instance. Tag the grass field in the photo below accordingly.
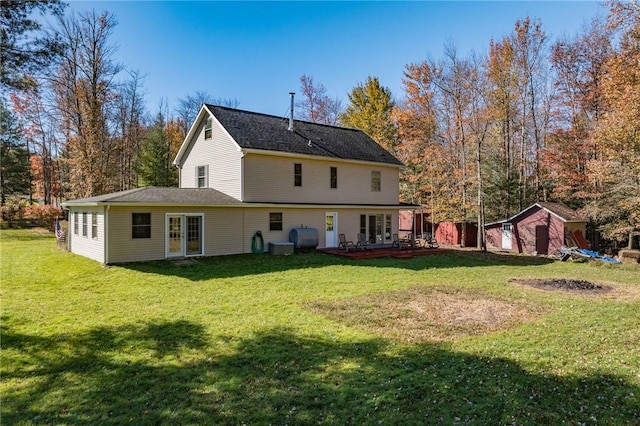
(314, 339)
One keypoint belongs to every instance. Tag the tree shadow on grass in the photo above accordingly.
(173, 373)
(251, 264)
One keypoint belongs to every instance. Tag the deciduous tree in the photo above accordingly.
(617, 206)
(316, 105)
(190, 104)
(86, 89)
(369, 109)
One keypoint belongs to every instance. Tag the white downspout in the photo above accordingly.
(106, 234)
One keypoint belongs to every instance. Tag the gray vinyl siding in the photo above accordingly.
(221, 156)
(87, 246)
(270, 178)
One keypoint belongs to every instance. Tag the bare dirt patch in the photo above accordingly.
(428, 314)
(563, 284)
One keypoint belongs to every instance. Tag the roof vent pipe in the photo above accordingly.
(291, 115)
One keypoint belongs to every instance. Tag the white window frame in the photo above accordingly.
(376, 180)
(208, 128)
(205, 177)
(85, 224)
(94, 225)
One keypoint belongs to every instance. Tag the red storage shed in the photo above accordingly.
(541, 228)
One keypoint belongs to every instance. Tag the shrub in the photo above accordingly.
(43, 216)
(13, 211)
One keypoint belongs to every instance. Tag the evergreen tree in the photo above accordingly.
(24, 49)
(157, 151)
(14, 157)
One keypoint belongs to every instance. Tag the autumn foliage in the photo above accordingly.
(481, 136)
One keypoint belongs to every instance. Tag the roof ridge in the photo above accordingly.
(313, 123)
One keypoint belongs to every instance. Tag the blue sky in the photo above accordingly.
(255, 52)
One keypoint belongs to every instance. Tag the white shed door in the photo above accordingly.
(506, 236)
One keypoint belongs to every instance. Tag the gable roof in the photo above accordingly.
(162, 196)
(262, 132)
(564, 213)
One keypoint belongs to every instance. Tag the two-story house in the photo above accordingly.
(242, 172)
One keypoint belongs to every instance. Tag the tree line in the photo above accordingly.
(482, 135)
(535, 119)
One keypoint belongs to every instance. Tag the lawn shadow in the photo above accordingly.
(206, 268)
(277, 377)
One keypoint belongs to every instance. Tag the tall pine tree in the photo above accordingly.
(14, 157)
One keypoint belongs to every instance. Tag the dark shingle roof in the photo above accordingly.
(156, 195)
(253, 130)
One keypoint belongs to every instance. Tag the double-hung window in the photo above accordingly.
(297, 174)
(141, 225)
(75, 223)
(275, 221)
(208, 128)
(84, 224)
(375, 181)
(201, 176)
(94, 225)
(334, 178)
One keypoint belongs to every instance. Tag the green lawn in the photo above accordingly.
(313, 339)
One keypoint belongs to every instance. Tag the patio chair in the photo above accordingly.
(430, 241)
(395, 241)
(401, 243)
(343, 243)
(363, 243)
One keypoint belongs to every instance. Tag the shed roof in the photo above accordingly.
(257, 131)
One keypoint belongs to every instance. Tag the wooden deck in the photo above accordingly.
(381, 252)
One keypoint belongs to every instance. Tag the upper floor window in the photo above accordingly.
(275, 221)
(375, 181)
(334, 177)
(140, 225)
(201, 176)
(208, 124)
(297, 174)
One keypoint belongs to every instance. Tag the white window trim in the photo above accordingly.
(184, 231)
(208, 125)
(206, 176)
(379, 188)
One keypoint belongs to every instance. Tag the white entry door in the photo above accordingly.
(506, 236)
(184, 235)
(175, 236)
(331, 230)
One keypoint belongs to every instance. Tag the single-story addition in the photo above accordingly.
(542, 228)
(244, 174)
